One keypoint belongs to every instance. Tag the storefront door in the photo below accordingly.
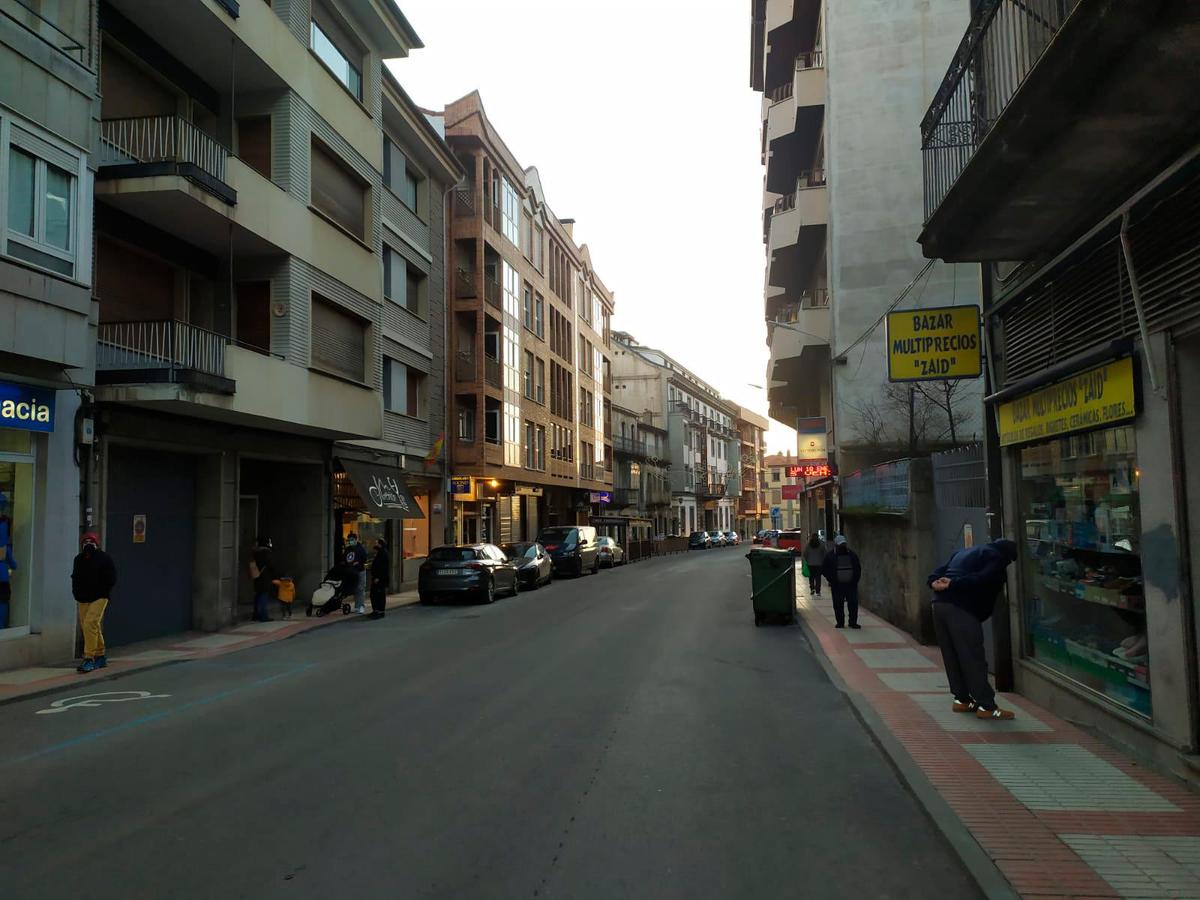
(17, 470)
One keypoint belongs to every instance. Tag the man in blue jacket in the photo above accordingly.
(964, 595)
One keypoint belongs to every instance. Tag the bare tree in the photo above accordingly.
(915, 415)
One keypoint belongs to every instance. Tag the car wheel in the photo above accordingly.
(516, 588)
(596, 566)
(426, 599)
(489, 592)
(550, 577)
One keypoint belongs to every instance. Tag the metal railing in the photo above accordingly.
(23, 15)
(464, 202)
(491, 371)
(491, 292)
(884, 487)
(781, 92)
(464, 284)
(623, 497)
(161, 139)
(465, 367)
(630, 446)
(813, 59)
(149, 346)
(1003, 43)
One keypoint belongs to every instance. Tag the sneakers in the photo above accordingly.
(997, 714)
(88, 665)
(839, 625)
(101, 661)
(968, 707)
(855, 625)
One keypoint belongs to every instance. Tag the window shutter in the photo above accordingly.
(338, 340)
(337, 192)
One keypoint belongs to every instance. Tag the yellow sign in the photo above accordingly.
(934, 344)
(1097, 397)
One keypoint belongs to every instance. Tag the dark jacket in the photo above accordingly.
(380, 568)
(976, 576)
(830, 568)
(93, 576)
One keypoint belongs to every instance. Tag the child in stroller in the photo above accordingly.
(336, 589)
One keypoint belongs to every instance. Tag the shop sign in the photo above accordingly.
(601, 496)
(382, 490)
(792, 491)
(1092, 399)
(462, 488)
(139, 529)
(811, 441)
(529, 490)
(938, 344)
(25, 407)
(817, 470)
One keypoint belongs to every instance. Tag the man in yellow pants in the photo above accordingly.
(92, 581)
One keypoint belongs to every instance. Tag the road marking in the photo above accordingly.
(91, 700)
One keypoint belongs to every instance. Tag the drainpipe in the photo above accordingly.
(448, 527)
(1147, 350)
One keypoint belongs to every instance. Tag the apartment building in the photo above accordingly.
(641, 477)
(48, 95)
(786, 503)
(753, 510)
(245, 215)
(841, 203)
(530, 329)
(704, 447)
(1061, 150)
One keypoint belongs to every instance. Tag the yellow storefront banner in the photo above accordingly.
(934, 344)
(1094, 398)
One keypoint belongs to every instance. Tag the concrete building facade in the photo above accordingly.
(49, 61)
(754, 513)
(531, 397)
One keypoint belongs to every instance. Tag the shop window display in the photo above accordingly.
(16, 527)
(1081, 567)
(416, 531)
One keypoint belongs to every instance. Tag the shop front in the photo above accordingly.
(1073, 457)
(490, 510)
(377, 501)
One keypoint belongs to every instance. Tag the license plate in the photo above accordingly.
(448, 572)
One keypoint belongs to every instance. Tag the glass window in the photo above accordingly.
(539, 316)
(58, 208)
(399, 175)
(527, 306)
(21, 189)
(416, 531)
(338, 60)
(1080, 571)
(338, 340)
(16, 533)
(337, 191)
(41, 213)
(403, 388)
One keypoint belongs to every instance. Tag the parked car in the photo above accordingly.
(717, 538)
(733, 538)
(790, 540)
(763, 537)
(572, 548)
(478, 570)
(699, 540)
(534, 567)
(610, 552)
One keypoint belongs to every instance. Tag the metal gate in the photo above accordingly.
(960, 497)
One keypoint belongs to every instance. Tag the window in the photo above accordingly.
(530, 446)
(526, 234)
(337, 192)
(585, 355)
(42, 215)
(510, 212)
(338, 340)
(539, 316)
(527, 306)
(403, 388)
(527, 378)
(587, 409)
(466, 423)
(539, 457)
(540, 381)
(775, 476)
(539, 241)
(254, 143)
(403, 284)
(399, 175)
(333, 47)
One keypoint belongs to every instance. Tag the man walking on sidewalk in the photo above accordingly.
(92, 579)
(843, 571)
(964, 595)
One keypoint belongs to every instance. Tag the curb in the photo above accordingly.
(125, 673)
(974, 858)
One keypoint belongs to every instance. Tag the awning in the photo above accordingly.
(382, 489)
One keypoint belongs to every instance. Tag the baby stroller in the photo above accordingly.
(334, 590)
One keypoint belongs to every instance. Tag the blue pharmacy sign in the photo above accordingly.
(601, 497)
(25, 407)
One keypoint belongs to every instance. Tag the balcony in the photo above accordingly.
(155, 146)
(464, 203)
(74, 46)
(627, 497)
(167, 352)
(492, 292)
(466, 368)
(493, 371)
(786, 101)
(464, 285)
(1052, 113)
(711, 490)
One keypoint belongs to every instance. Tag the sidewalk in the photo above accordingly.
(19, 683)
(1058, 813)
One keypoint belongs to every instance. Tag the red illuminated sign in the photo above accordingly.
(822, 470)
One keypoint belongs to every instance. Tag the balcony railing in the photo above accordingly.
(883, 487)
(45, 29)
(464, 202)
(159, 347)
(465, 368)
(623, 497)
(1003, 43)
(711, 489)
(464, 285)
(161, 139)
(781, 92)
(813, 59)
(491, 292)
(810, 178)
(491, 371)
(630, 446)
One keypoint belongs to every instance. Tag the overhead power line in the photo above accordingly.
(900, 299)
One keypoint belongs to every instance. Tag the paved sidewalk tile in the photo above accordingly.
(866, 635)
(1142, 867)
(939, 709)
(917, 682)
(27, 676)
(151, 656)
(1065, 776)
(212, 641)
(263, 627)
(903, 658)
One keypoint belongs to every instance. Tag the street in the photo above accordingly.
(630, 734)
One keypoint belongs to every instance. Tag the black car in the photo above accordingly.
(475, 570)
(534, 567)
(699, 540)
(572, 549)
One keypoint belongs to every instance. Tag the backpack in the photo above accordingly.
(845, 569)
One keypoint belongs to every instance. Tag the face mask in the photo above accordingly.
(351, 542)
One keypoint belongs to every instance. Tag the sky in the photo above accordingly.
(640, 119)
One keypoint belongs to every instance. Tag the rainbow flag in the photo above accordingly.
(436, 452)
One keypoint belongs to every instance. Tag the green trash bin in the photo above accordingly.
(773, 582)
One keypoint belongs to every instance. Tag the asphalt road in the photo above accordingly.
(630, 734)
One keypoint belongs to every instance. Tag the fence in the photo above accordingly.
(884, 487)
(663, 546)
(160, 139)
(171, 345)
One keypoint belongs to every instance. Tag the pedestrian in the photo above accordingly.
(843, 570)
(380, 572)
(964, 595)
(8, 561)
(814, 556)
(355, 558)
(93, 577)
(261, 565)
